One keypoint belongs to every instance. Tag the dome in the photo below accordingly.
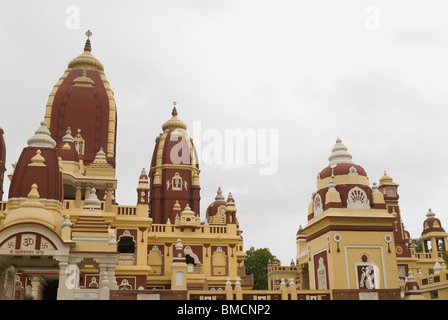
(341, 184)
(31, 210)
(341, 163)
(174, 145)
(339, 153)
(432, 224)
(217, 207)
(385, 180)
(86, 60)
(300, 234)
(42, 138)
(342, 169)
(174, 122)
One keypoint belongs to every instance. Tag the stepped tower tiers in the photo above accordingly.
(348, 240)
(82, 118)
(174, 173)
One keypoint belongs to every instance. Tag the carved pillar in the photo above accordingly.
(88, 188)
(109, 197)
(37, 286)
(78, 195)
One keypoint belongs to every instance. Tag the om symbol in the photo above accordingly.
(28, 242)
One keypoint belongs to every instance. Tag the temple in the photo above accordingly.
(354, 242)
(65, 236)
(63, 233)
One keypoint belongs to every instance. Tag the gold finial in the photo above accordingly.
(174, 113)
(174, 122)
(87, 46)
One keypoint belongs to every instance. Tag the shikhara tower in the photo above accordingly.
(174, 174)
(63, 234)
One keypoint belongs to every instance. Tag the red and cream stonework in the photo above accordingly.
(64, 235)
(62, 212)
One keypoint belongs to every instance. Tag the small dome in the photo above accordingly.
(411, 285)
(339, 153)
(42, 138)
(31, 211)
(143, 176)
(341, 163)
(86, 60)
(385, 180)
(174, 122)
(340, 169)
(175, 146)
(220, 202)
(345, 177)
(300, 234)
(432, 223)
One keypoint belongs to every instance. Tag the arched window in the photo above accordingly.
(318, 205)
(126, 244)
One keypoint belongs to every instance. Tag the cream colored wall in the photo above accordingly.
(342, 265)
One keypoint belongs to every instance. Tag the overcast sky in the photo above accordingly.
(373, 73)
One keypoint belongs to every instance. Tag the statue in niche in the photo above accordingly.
(176, 182)
(321, 275)
(367, 280)
(79, 142)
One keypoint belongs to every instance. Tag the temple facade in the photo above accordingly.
(63, 233)
(65, 236)
(355, 244)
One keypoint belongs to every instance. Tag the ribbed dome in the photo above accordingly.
(341, 163)
(42, 138)
(339, 153)
(86, 60)
(31, 210)
(174, 122)
(432, 223)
